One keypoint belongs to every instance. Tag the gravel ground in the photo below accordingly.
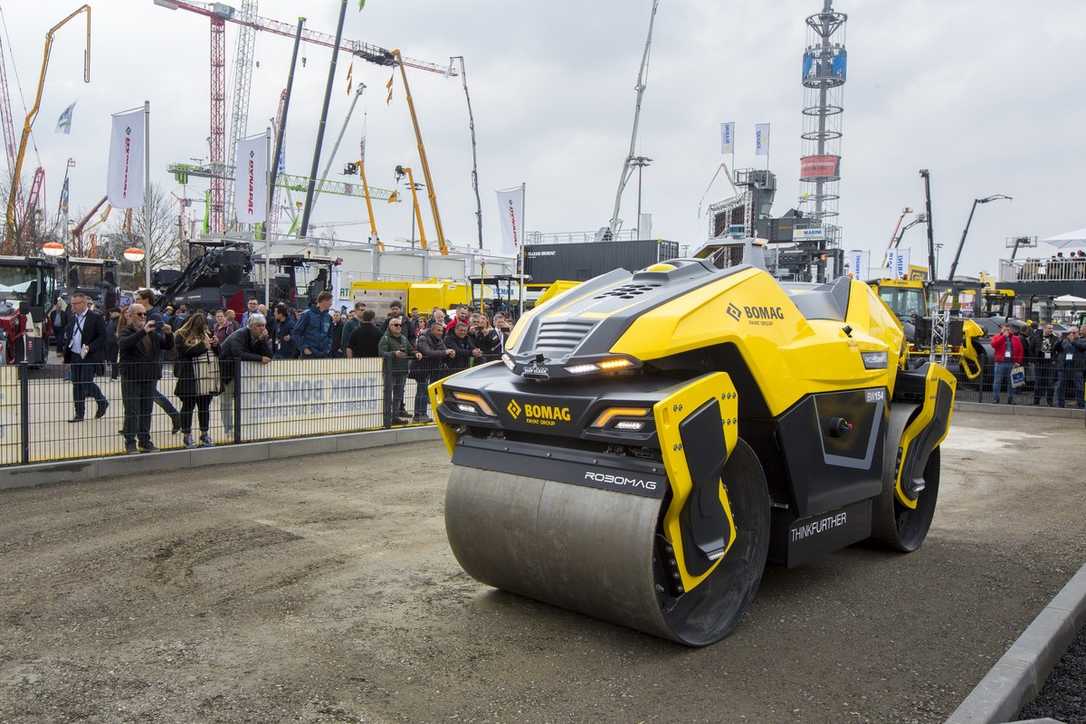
(1063, 696)
(322, 589)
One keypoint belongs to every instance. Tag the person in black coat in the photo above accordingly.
(112, 351)
(194, 344)
(85, 343)
(461, 342)
(251, 343)
(364, 338)
(141, 342)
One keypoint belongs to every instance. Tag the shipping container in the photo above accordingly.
(546, 263)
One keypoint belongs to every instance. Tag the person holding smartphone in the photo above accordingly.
(141, 345)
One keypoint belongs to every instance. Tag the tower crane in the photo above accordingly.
(632, 160)
(243, 85)
(5, 115)
(221, 13)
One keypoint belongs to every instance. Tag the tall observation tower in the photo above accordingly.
(824, 62)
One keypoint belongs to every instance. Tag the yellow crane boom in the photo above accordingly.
(28, 123)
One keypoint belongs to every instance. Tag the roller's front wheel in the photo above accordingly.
(902, 528)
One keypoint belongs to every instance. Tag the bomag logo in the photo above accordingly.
(539, 414)
(760, 315)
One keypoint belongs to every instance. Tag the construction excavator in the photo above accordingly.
(649, 440)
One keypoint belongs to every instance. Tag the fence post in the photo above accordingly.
(386, 393)
(24, 411)
(237, 401)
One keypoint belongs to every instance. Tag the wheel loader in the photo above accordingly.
(649, 440)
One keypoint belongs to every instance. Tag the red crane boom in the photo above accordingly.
(220, 14)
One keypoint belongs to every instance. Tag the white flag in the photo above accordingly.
(857, 263)
(511, 210)
(727, 138)
(126, 148)
(761, 139)
(251, 180)
(898, 261)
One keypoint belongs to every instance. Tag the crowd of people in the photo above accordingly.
(1057, 362)
(137, 342)
(1071, 265)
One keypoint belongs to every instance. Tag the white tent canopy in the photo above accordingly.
(1069, 300)
(1069, 239)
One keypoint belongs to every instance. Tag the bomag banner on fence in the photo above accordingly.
(11, 440)
(295, 398)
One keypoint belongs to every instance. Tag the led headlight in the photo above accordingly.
(508, 361)
(874, 360)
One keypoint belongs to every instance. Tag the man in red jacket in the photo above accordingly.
(1007, 347)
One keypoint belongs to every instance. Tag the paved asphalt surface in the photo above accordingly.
(322, 589)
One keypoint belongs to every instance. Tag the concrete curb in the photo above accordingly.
(1019, 675)
(1019, 410)
(29, 476)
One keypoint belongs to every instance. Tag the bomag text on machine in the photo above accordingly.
(649, 440)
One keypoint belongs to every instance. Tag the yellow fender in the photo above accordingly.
(970, 362)
(669, 415)
(927, 430)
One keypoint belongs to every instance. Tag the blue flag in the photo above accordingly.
(64, 123)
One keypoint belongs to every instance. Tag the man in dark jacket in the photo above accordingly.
(350, 324)
(396, 348)
(1044, 352)
(85, 343)
(1070, 360)
(430, 358)
(409, 326)
(146, 297)
(249, 344)
(463, 345)
(313, 332)
(284, 333)
(141, 343)
(364, 339)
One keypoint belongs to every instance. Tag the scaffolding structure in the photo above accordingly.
(824, 71)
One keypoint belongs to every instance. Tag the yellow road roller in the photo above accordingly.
(650, 439)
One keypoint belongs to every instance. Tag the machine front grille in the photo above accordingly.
(562, 335)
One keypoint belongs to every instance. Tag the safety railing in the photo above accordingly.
(66, 412)
(1053, 269)
(1052, 382)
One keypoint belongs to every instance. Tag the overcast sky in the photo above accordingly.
(987, 95)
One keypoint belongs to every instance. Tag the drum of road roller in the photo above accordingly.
(650, 440)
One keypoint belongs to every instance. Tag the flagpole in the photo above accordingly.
(147, 193)
(267, 216)
(520, 251)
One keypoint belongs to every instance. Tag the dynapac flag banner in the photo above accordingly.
(727, 138)
(127, 145)
(511, 210)
(761, 139)
(251, 180)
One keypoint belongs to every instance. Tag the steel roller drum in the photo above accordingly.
(595, 551)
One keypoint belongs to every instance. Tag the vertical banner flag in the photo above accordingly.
(511, 209)
(727, 138)
(857, 263)
(64, 123)
(127, 145)
(898, 261)
(761, 139)
(251, 180)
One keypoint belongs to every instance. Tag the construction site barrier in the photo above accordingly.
(1047, 381)
(283, 399)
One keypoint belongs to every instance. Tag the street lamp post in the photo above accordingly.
(641, 162)
(961, 244)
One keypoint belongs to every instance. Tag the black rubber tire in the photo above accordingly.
(711, 611)
(901, 528)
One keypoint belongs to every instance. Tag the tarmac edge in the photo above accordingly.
(68, 471)
(1021, 672)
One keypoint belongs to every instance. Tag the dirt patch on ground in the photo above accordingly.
(322, 589)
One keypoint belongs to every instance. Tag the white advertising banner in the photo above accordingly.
(291, 399)
(858, 260)
(898, 262)
(511, 211)
(127, 145)
(251, 180)
(727, 138)
(761, 139)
